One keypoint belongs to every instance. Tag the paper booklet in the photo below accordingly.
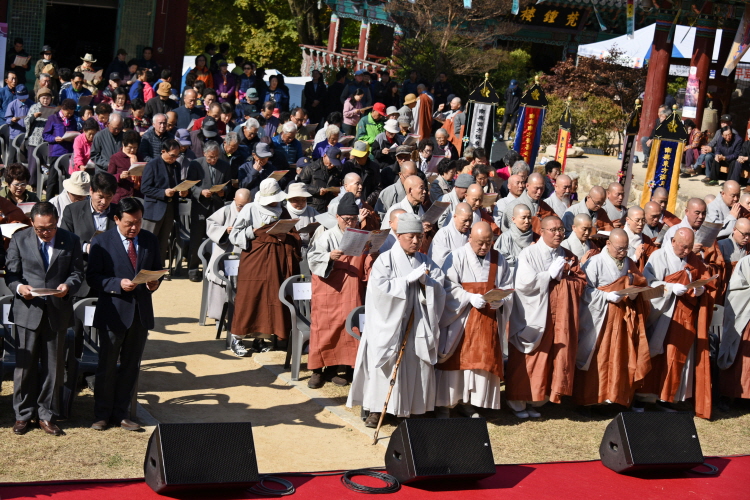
(185, 185)
(21, 60)
(346, 140)
(11, 227)
(70, 135)
(145, 276)
(310, 228)
(496, 295)
(357, 241)
(309, 130)
(411, 140)
(47, 111)
(435, 211)
(218, 187)
(707, 233)
(600, 235)
(43, 292)
(136, 169)
(85, 100)
(26, 206)
(700, 283)
(306, 143)
(646, 292)
(432, 165)
(345, 151)
(283, 226)
(489, 199)
(90, 76)
(277, 175)
(334, 189)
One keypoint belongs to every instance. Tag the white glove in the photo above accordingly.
(679, 289)
(697, 292)
(477, 301)
(556, 267)
(416, 273)
(613, 297)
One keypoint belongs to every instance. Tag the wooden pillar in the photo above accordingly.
(364, 34)
(334, 33)
(656, 79)
(703, 49)
(725, 84)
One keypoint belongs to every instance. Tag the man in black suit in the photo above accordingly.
(43, 256)
(211, 171)
(124, 312)
(160, 176)
(315, 93)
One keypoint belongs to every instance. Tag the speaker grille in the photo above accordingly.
(457, 446)
(208, 453)
(662, 438)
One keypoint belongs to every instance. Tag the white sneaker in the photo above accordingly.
(442, 412)
(521, 414)
(532, 412)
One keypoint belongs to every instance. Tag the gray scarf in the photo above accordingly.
(520, 239)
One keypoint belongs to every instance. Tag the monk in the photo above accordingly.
(725, 209)
(469, 372)
(266, 261)
(579, 243)
(298, 208)
(338, 286)
(613, 356)
(733, 249)
(474, 197)
(745, 201)
(416, 191)
(405, 295)
(591, 206)
(423, 113)
(677, 328)
(516, 186)
(734, 350)
(532, 198)
(511, 243)
(456, 196)
(392, 236)
(368, 217)
(453, 236)
(661, 196)
(543, 331)
(559, 200)
(654, 228)
(640, 246)
(613, 206)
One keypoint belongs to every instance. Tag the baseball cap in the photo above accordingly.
(379, 107)
(464, 181)
(726, 118)
(115, 76)
(263, 150)
(303, 162)
(183, 137)
(209, 127)
(21, 90)
(252, 93)
(334, 156)
(359, 72)
(360, 149)
(404, 150)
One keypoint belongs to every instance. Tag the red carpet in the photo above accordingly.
(558, 481)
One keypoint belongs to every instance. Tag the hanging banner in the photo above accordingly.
(563, 136)
(664, 163)
(3, 45)
(480, 124)
(480, 117)
(690, 108)
(630, 19)
(625, 176)
(531, 119)
(740, 45)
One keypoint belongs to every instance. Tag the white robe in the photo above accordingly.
(717, 211)
(498, 211)
(524, 199)
(476, 387)
(389, 303)
(403, 205)
(446, 240)
(634, 240)
(661, 264)
(216, 229)
(451, 198)
(601, 270)
(558, 205)
(318, 255)
(388, 243)
(252, 216)
(575, 246)
(672, 230)
(736, 313)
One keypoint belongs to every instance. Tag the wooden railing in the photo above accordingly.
(320, 58)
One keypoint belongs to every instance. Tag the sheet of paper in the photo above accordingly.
(345, 152)
(283, 226)
(432, 165)
(302, 291)
(602, 235)
(70, 135)
(309, 229)
(145, 276)
(85, 100)
(333, 189)
(346, 140)
(48, 111)
(376, 240)
(354, 241)
(707, 233)
(306, 144)
(218, 187)
(6, 312)
(185, 185)
(361, 324)
(489, 199)
(277, 175)
(26, 206)
(231, 267)
(654, 293)
(136, 169)
(431, 178)
(411, 140)
(700, 283)
(90, 76)
(21, 60)
(11, 227)
(309, 129)
(88, 316)
(497, 294)
(435, 211)
(43, 292)
(646, 291)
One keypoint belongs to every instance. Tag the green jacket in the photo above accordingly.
(368, 129)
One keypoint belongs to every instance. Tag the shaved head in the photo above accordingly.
(474, 195)
(581, 219)
(242, 194)
(516, 185)
(709, 198)
(535, 186)
(563, 186)
(519, 209)
(582, 226)
(408, 168)
(652, 212)
(616, 194)
(522, 217)
(741, 233)
(617, 244)
(415, 190)
(595, 199)
(351, 178)
(745, 200)
(480, 238)
(682, 242)
(636, 212)
(660, 196)
(463, 216)
(695, 211)
(730, 193)
(393, 218)
(353, 184)
(463, 208)
(553, 231)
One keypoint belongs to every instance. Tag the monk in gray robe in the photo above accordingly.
(579, 242)
(734, 351)
(453, 236)
(532, 198)
(614, 205)
(512, 242)
(559, 200)
(591, 206)
(640, 246)
(516, 186)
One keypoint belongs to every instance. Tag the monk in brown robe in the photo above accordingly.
(338, 286)
(613, 356)
(640, 246)
(543, 331)
(677, 328)
(654, 228)
(661, 196)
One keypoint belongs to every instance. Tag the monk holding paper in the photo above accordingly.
(613, 356)
(640, 246)
(734, 351)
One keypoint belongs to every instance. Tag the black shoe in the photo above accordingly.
(316, 381)
(195, 276)
(372, 420)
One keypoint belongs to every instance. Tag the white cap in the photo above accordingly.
(269, 192)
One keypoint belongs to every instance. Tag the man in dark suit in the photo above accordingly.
(41, 257)
(124, 312)
(211, 171)
(160, 176)
(315, 93)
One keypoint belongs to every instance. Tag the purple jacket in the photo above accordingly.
(230, 87)
(56, 128)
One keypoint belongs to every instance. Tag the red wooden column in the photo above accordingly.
(703, 49)
(656, 79)
(364, 35)
(334, 33)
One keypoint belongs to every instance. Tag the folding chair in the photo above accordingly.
(18, 151)
(300, 311)
(353, 321)
(62, 164)
(204, 254)
(41, 153)
(5, 142)
(180, 239)
(9, 341)
(230, 285)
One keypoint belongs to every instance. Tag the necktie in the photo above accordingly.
(131, 252)
(45, 256)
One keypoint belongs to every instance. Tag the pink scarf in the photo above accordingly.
(65, 120)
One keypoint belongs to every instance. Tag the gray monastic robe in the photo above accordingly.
(570, 214)
(615, 213)
(498, 211)
(451, 198)
(736, 313)
(512, 242)
(558, 205)
(524, 199)
(576, 246)
(446, 240)
(403, 205)
(389, 197)
(216, 229)
(717, 211)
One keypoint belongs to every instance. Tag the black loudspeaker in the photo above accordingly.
(198, 456)
(651, 441)
(426, 448)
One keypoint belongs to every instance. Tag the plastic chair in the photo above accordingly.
(5, 142)
(352, 322)
(18, 152)
(8, 342)
(204, 254)
(62, 164)
(41, 153)
(180, 237)
(301, 313)
(230, 285)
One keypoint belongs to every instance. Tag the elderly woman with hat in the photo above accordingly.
(266, 261)
(386, 142)
(34, 123)
(75, 188)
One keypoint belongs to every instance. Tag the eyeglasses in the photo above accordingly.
(77, 82)
(350, 220)
(45, 230)
(638, 221)
(19, 185)
(558, 230)
(744, 235)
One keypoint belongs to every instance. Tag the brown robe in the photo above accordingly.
(424, 118)
(549, 370)
(670, 219)
(621, 357)
(544, 211)
(479, 347)
(371, 222)
(690, 321)
(734, 382)
(451, 129)
(332, 300)
(714, 261)
(270, 260)
(648, 248)
(487, 217)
